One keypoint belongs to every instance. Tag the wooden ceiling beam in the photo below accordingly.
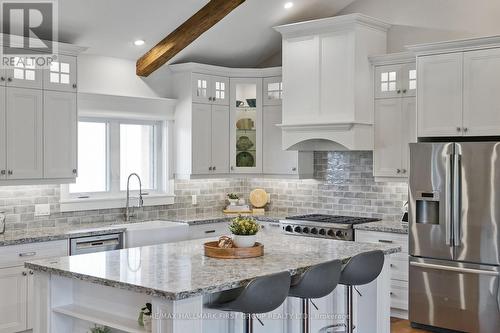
(185, 34)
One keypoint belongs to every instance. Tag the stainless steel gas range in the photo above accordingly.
(323, 226)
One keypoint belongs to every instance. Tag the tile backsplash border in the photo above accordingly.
(343, 185)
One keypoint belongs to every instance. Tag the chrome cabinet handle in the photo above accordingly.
(27, 254)
(74, 86)
(214, 168)
(403, 171)
(385, 241)
(294, 169)
(210, 231)
(232, 167)
(2, 78)
(3, 172)
(399, 91)
(404, 91)
(398, 170)
(24, 273)
(31, 272)
(459, 129)
(10, 172)
(454, 269)
(74, 171)
(466, 129)
(209, 168)
(9, 79)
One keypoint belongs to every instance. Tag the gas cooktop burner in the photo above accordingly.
(332, 219)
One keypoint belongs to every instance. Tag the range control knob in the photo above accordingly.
(289, 228)
(331, 233)
(314, 231)
(339, 234)
(305, 230)
(297, 229)
(322, 232)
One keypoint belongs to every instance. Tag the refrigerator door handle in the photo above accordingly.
(448, 206)
(457, 199)
(455, 269)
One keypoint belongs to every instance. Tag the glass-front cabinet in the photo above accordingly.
(246, 125)
(398, 80)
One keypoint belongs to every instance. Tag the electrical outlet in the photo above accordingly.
(194, 199)
(42, 210)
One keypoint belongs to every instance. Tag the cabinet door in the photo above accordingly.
(220, 139)
(409, 78)
(24, 123)
(408, 131)
(439, 99)
(388, 81)
(388, 140)
(246, 125)
(276, 160)
(481, 97)
(13, 307)
(3, 136)
(273, 90)
(3, 76)
(61, 75)
(24, 73)
(60, 134)
(201, 139)
(219, 90)
(201, 88)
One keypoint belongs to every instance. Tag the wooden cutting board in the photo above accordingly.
(258, 198)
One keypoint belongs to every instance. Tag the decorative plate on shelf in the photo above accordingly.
(245, 159)
(244, 143)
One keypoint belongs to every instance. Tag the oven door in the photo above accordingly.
(454, 296)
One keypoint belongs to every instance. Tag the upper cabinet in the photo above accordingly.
(235, 132)
(457, 88)
(392, 81)
(210, 89)
(24, 73)
(246, 125)
(61, 75)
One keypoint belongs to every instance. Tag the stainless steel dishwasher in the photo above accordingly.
(91, 244)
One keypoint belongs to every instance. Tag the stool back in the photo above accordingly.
(363, 268)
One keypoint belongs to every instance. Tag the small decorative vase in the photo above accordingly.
(233, 202)
(147, 323)
(244, 240)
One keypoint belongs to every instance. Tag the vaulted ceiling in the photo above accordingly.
(243, 38)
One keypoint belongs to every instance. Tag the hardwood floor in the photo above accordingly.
(403, 326)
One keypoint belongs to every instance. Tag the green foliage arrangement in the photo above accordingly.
(244, 226)
(233, 196)
(100, 329)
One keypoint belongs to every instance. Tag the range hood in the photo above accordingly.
(328, 82)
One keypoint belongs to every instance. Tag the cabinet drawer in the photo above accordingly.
(16, 255)
(208, 230)
(383, 237)
(399, 268)
(399, 295)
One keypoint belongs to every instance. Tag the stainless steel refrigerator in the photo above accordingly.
(454, 236)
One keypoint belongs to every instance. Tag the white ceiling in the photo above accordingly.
(244, 38)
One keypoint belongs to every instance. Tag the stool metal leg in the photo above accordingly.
(350, 310)
(305, 315)
(248, 325)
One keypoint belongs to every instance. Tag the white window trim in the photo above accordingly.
(163, 195)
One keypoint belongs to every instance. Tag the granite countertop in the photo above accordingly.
(383, 226)
(205, 219)
(180, 270)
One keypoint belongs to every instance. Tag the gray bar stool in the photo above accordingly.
(316, 282)
(261, 295)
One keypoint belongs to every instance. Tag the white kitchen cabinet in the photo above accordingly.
(481, 110)
(60, 134)
(395, 128)
(3, 136)
(439, 97)
(24, 110)
(62, 74)
(278, 161)
(210, 89)
(273, 90)
(13, 304)
(394, 81)
(208, 230)
(210, 137)
(246, 125)
(399, 264)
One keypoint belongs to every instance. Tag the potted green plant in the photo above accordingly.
(233, 198)
(145, 317)
(100, 329)
(244, 230)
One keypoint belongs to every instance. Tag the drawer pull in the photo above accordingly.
(385, 241)
(27, 254)
(391, 265)
(210, 232)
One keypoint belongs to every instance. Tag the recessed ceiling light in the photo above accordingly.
(139, 42)
(288, 5)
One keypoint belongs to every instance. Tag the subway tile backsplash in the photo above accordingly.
(343, 184)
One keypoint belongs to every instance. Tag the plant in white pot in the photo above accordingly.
(233, 199)
(244, 230)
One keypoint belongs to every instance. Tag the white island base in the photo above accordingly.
(65, 304)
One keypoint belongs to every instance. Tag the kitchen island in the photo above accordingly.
(109, 288)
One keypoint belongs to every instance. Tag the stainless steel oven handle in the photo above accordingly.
(457, 200)
(448, 207)
(454, 269)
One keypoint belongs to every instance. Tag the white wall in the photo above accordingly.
(420, 21)
(115, 76)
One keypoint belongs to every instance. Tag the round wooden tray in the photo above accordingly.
(214, 251)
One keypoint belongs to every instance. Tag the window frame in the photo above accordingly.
(114, 197)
